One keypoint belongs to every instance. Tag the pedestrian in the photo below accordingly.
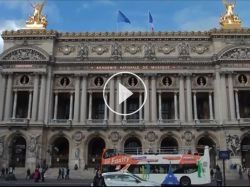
(240, 172)
(63, 173)
(67, 173)
(98, 179)
(248, 174)
(42, 173)
(218, 176)
(212, 173)
(6, 171)
(36, 175)
(3, 172)
(28, 174)
(59, 174)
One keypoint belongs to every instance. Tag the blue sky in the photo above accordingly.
(101, 15)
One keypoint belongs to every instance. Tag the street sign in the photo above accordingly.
(224, 155)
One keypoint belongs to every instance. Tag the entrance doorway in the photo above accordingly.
(207, 141)
(17, 151)
(60, 152)
(245, 151)
(95, 149)
(132, 146)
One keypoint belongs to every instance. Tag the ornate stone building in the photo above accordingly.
(51, 104)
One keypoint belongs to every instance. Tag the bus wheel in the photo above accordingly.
(185, 181)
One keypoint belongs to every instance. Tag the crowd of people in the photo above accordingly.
(63, 173)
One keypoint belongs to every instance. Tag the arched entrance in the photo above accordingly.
(17, 150)
(245, 151)
(169, 145)
(132, 146)
(95, 149)
(60, 152)
(207, 141)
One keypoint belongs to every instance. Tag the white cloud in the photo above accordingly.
(9, 25)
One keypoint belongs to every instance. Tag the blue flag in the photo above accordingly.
(122, 18)
(150, 20)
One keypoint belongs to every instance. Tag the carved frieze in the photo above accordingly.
(100, 49)
(200, 49)
(24, 54)
(151, 136)
(83, 52)
(183, 49)
(78, 136)
(132, 49)
(236, 54)
(149, 52)
(1, 146)
(233, 144)
(188, 137)
(114, 136)
(116, 51)
(166, 49)
(66, 50)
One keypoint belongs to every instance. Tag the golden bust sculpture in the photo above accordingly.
(37, 21)
(230, 20)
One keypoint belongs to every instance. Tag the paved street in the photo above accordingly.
(79, 182)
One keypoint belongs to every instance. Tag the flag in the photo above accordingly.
(122, 18)
(150, 19)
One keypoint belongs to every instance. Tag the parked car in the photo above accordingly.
(125, 179)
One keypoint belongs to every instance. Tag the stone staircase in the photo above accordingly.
(52, 173)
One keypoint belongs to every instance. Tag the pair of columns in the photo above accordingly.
(175, 106)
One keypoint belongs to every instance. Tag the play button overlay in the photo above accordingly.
(124, 92)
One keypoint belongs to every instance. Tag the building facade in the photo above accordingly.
(51, 104)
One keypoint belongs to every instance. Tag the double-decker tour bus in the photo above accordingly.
(189, 169)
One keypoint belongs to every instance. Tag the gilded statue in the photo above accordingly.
(230, 20)
(37, 20)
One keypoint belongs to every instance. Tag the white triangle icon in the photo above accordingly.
(124, 93)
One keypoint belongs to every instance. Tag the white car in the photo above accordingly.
(125, 179)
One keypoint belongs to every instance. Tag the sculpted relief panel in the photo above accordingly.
(24, 54)
(236, 54)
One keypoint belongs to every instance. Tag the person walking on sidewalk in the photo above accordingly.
(248, 174)
(240, 172)
(218, 176)
(28, 174)
(98, 179)
(67, 173)
(59, 174)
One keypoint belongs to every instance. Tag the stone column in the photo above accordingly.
(195, 107)
(49, 96)
(118, 118)
(175, 106)
(111, 100)
(182, 99)
(211, 106)
(231, 96)
(35, 98)
(2, 94)
(189, 99)
(106, 109)
(160, 106)
(84, 100)
(8, 100)
(125, 110)
(237, 105)
(55, 106)
(146, 106)
(140, 103)
(42, 99)
(29, 105)
(224, 97)
(153, 100)
(90, 106)
(71, 106)
(14, 105)
(217, 96)
(77, 99)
